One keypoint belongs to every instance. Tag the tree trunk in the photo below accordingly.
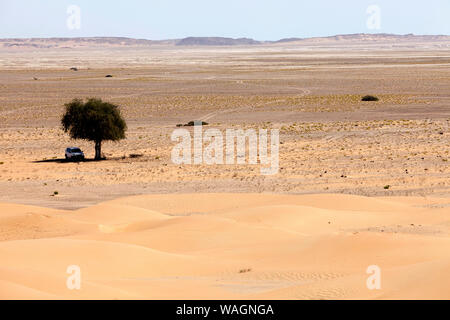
(98, 150)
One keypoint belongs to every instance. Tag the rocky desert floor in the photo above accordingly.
(331, 141)
(360, 183)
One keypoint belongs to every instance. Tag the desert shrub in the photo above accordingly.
(136, 155)
(193, 123)
(369, 98)
(245, 270)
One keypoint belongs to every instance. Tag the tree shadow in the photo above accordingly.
(133, 156)
(63, 160)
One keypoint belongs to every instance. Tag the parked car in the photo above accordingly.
(74, 153)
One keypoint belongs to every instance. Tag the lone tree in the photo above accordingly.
(94, 120)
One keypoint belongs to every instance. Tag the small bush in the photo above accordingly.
(369, 98)
(55, 193)
(245, 270)
(387, 187)
(136, 155)
(192, 123)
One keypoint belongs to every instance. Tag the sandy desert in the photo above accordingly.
(360, 183)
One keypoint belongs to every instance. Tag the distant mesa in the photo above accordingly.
(121, 42)
(289, 40)
(369, 37)
(215, 41)
(80, 42)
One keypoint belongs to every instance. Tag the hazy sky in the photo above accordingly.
(258, 19)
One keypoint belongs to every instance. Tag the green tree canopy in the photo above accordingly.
(93, 120)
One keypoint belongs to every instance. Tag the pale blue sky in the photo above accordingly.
(258, 19)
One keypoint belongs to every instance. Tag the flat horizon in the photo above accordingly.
(235, 38)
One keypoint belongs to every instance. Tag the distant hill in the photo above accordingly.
(81, 42)
(94, 42)
(215, 41)
(366, 37)
(74, 42)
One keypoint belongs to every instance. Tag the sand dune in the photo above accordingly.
(241, 246)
